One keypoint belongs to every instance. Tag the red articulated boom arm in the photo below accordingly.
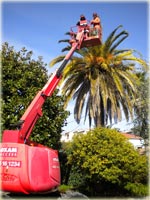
(25, 166)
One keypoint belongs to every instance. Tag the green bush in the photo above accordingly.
(64, 188)
(103, 157)
(137, 189)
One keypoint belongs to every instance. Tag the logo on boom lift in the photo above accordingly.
(8, 151)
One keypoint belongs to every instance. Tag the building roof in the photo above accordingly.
(131, 136)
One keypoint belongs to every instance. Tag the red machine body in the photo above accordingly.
(28, 167)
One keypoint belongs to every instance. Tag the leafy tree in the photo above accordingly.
(22, 78)
(141, 108)
(102, 80)
(105, 163)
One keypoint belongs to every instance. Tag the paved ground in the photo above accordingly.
(52, 196)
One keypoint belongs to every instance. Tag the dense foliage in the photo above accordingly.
(102, 162)
(141, 108)
(22, 78)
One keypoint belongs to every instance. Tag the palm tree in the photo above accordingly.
(101, 79)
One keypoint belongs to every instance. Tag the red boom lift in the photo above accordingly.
(28, 167)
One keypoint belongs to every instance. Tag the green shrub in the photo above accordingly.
(103, 157)
(64, 188)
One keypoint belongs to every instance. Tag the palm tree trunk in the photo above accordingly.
(100, 117)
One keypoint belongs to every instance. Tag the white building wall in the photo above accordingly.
(137, 143)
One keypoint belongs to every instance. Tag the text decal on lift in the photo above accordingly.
(8, 151)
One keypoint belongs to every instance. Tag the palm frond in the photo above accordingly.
(108, 42)
(115, 52)
(56, 60)
(80, 100)
(66, 48)
(67, 33)
(64, 40)
(123, 38)
(138, 60)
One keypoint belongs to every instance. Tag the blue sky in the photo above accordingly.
(39, 26)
